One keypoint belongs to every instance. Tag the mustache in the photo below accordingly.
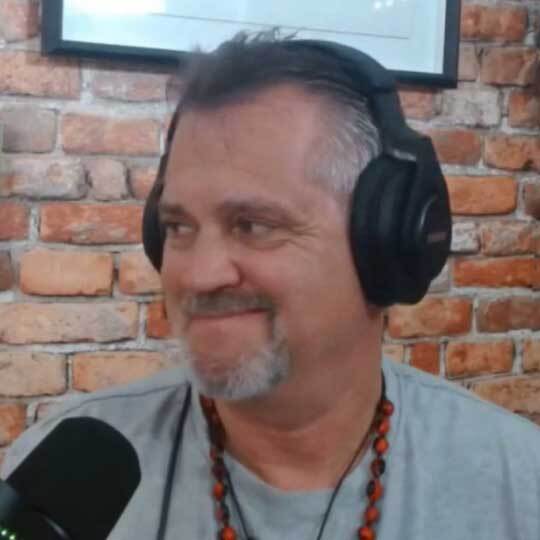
(225, 303)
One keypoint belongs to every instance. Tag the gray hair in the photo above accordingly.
(246, 64)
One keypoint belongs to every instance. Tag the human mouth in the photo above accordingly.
(209, 317)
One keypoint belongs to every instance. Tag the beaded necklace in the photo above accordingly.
(380, 426)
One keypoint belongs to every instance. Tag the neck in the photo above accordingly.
(302, 436)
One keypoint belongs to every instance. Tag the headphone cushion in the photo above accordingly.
(377, 206)
(152, 234)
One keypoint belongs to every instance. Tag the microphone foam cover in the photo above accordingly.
(82, 475)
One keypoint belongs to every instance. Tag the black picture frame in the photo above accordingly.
(53, 43)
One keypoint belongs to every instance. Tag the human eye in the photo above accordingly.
(177, 229)
(253, 228)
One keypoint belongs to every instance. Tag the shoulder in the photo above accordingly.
(426, 398)
(450, 426)
(149, 404)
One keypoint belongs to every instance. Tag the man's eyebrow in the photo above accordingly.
(170, 208)
(272, 209)
(257, 205)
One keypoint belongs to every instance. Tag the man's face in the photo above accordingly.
(258, 278)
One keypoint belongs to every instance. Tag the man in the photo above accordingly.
(303, 431)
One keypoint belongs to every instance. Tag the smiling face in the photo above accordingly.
(257, 272)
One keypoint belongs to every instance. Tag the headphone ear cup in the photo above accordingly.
(376, 228)
(152, 233)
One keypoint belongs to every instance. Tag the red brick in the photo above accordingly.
(457, 146)
(481, 195)
(107, 178)
(42, 178)
(137, 275)
(19, 19)
(433, 316)
(524, 108)
(508, 237)
(503, 272)
(493, 23)
(14, 221)
(12, 422)
(141, 180)
(517, 394)
(531, 355)
(425, 356)
(94, 371)
(6, 272)
(508, 313)
(508, 65)
(471, 359)
(129, 85)
(66, 273)
(531, 198)
(418, 104)
(513, 152)
(394, 352)
(90, 134)
(91, 223)
(157, 325)
(67, 323)
(28, 129)
(27, 374)
(469, 66)
(29, 73)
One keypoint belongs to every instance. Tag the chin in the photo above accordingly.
(248, 376)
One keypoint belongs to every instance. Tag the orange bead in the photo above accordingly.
(387, 407)
(384, 427)
(228, 533)
(380, 445)
(372, 515)
(366, 533)
(374, 491)
(219, 491)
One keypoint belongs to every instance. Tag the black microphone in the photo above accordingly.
(73, 486)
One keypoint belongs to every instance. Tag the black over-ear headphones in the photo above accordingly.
(400, 221)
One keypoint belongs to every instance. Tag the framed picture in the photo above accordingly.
(417, 39)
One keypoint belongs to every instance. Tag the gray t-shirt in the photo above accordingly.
(457, 468)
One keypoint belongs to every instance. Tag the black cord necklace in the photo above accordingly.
(379, 426)
(335, 492)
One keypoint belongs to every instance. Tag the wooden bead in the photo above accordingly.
(384, 427)
(207, 404)
(387, 407)
(228, 533)
(374, 490)
(366, 533)
(371, 515)
(219, 491)
(380, 445)
(222, 513)
(218, 469)
(378, 466)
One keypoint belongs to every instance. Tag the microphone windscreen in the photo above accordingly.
(82, 475)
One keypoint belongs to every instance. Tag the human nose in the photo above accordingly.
(207, 266)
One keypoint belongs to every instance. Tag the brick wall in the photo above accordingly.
(79, 303)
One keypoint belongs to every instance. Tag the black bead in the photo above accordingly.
(370, 488)
(225, 514)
